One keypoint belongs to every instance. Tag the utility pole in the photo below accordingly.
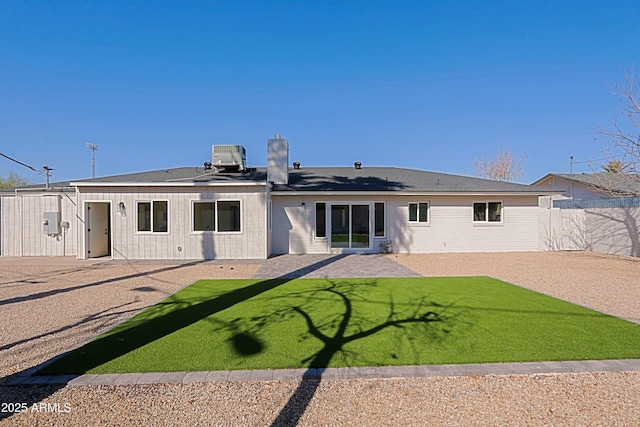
(47, 173)
(93, 148)
(571, 166)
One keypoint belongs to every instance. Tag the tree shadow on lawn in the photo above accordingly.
(103, 350)
(119, 343)
(345, 324)
(336, 330)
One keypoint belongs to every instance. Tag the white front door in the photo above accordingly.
(97, 229)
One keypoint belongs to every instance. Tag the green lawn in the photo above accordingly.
(254, 324)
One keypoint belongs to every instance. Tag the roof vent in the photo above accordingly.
(296, 165)
(357, 165)
(229, 158)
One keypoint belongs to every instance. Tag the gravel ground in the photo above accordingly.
(50, 309)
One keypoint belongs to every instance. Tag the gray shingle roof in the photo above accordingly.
(57, 186)
(185, 175)
(325, 179)
(393, 179)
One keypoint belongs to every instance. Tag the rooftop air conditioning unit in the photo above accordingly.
(229, 157)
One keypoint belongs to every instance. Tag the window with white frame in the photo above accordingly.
(204, 216)
(378, 219)
(419, 212)
(153, 217)
(222, 216)
(228, 216)
(487, 212)
(321, 220)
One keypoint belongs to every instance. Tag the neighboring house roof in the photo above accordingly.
(319, 179)
(54, 186)
(607, 183)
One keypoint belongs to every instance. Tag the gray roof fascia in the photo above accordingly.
(540, 192)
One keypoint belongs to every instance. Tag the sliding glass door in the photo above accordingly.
(340, 226)
(350, 226)
(360, 226)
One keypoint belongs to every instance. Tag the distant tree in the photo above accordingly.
(13, 180)
(616, 166)
(623, 137)
(503, 167)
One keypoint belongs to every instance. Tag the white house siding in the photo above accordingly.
(450, 227)
(9, 237)
(22, 229)
(7, 227)
(180, 242)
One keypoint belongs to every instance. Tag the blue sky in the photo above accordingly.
(421, 84)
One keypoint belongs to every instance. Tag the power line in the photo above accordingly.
(573, 162)
(46, 170)
(20, 163)
(589, 161)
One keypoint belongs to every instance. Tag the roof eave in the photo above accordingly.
(66, 189)
(170, 184)
(415, 193)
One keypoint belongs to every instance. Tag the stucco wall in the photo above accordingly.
(609, 230)
(613, 230)
(561, 229)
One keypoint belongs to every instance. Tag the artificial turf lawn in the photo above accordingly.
(270, 324)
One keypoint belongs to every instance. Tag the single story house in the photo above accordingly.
(226, 210)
